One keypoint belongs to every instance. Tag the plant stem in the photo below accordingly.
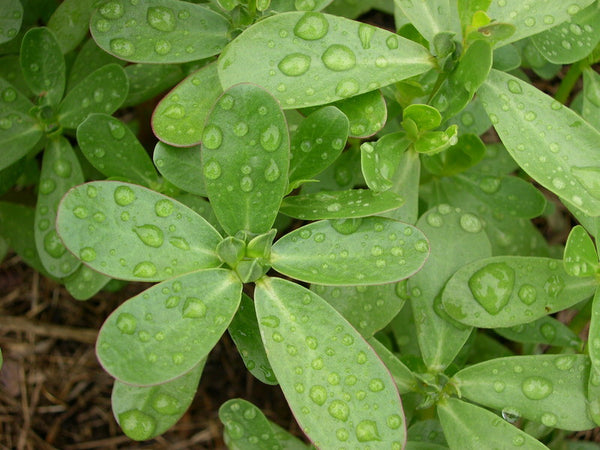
(568, 82)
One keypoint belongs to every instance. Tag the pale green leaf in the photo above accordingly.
(591, 97)
(549, 389)
(594, 335)
(146, 412)
(314, 58)
(431, 17)
(343, 174)
(545, 330)
(159, 31)
(505, 291)
(326, 370)
(580, 258)
(245, 159)
(84, 283)
(179, 117)
(519, 112)
(380, 161)
(405, 380)
(361, 252)
(165, 331)
(246, 427)
(405, 183)
(132, 233)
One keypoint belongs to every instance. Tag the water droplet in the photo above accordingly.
(163, 208)
(212, 137)
(422, 246)
(9, 95)
(240, 129)
(212, 170)
(347, 88)
(470, 223)
(47, 186)
(339, 58)
(87, 254)
(272, 172)
(165, 404)
(194, 308)
(161, 18)
(548, 20)
(294, 64)
(548, 332)
(564, 362)
(435, 220)
(527, 294)
(122, 47)
(376, 385)
(499, 386)
(518, 441)
(246, 184)
(150, 235)
(162, 47)
(365, 33)
(226, 102)
(172, 301)
(311, 26)
(573, 9)
(549, 419)
(342, 434)
(145, 269)
(270, 138)
(175, 111)
(511, 415)
(530, 21)
(366, 431)
(530, 116)
(317, 363)
(339, 410)
(311, 342)
(361, 357)
(179, 242)
(536, 388)
(126, 323)
(53, 245)
(392, 42)
(318, 394)
(490, 185)
(62, 168)
(346, 226)
(270, 321)
(44, 224)
(492, 286)
(178, 358)
(554, 286)
(124, 195)
(112, 10)
(137, 425)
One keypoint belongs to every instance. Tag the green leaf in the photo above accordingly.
(352, 9)
(84, 283)
(469, 426)
(357, 58)
(428, 431)
(405, 380)
(343, 174)
(163, 332)
(70, 22)
(102, 91)
(112, 148)
(467, 152)
(146, 81)
(380, 161)
(431, 17)
(367, 308)
(361, 252)
(593, 394)
(132, 233)
(456, 238)
(146, 412)
(591, 97)
(43, 64)
(533, 16)
(405, 182)
(326, 370)
(60, 172)
(160, 31)
(179, 117)
(549, 389)
(311, 5)
(432, 142)
(10, 70)
(581, 258)
(181, 167)
(11, 16)
(367, 113)
(89, 58)
(245, 159)
(573, 39)
(316, 144)
(19, 132)
(245, 333)
(545, 330)
(519, 111)
(425, 117)
(468, 8)
(593, 336)
(340, 204)
(246, 427)
(505, 291)
(507, 58)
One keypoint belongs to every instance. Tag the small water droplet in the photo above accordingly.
(162, 47)
(112, 10)
(9, 95)
(365, 33)
(87, 254)
(530, 116)
(392, 42)
(161, 18)
(47, 186)
(318, 394)
(272, 172)
(126, 323)
(270, 138)
(178, 358)
(435, 220)
(294, 64)
(490, 185)
(367, 431)
(527, 294)
(137, 425)
(122, 47)
(536, 388)
(150, 235)
(145, 269)
(165, 404)
(549, 419)
(212, 170)
(124, 195)
(194, 308)
(246, 184)
(347, 88)
(339, 410)
(530, 21)
(339, 58)
(240, 129)
(511, 415)
(175, 111)
(554, 286)
(470, 223)
(492, 286)
(499, 386)
(564, 362)
(573, 9)
(212, 137)
(311, 26)
(62, 168)
(270, 321)
(163, 208)
(53, 245)
(179, 242)
(376, 385)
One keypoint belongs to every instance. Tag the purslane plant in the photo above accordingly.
(348, 159)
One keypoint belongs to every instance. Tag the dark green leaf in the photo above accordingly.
(70, 22)
(11, 16)
(89, 58)
(546, 330)
(146, 81)
(467, 152)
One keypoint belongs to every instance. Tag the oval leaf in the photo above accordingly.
(381, 162)
(159, 31)
(11, 16)
(469, 426)
(549, 389)
(594, 339)
(168, 329)
(519, 111)
(60, 172)
(366, 251)
(132, 233)
(546, 330)
(431, 17)
(245, 159)
(146, 412)
(316, 58)
(179, 117)
(181, 167)
(581, 258)
(70, 22)
(332, 379)
(84, 283)
(505, 291)
(112, 148)
(246, 427)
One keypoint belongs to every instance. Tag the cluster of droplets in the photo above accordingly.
(340, 387)
(8, 96)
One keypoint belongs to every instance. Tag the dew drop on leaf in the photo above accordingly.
(9, 95)
(212, 170)
(161, 18)
(294, 64)
(554, 286)
(347, 88)
(367, 431)
(126, 323)
(272, 172)
(179, 242)
(174, 111)
(470, 223)
(270, 138)
(339, 58)
(163, 208)
(137, 425)
(536, 388)
(145, 269)
(62, 168)
(124, 195)
(87, 254)
(194, 308)
(47, 186)
(122, 47)
(246, 184)
(165, 404)
(212, 137)
(492, 286)
(435, 220)
(318, 394)
(311, 26)
(549, 419)
(392, 42)
(527, 294)
(564, 362)
(112, 10)
(53, 245)
(339, 409)
(150, 235)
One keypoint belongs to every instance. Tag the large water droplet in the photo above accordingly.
(122, 47)
(150, 235)
(53, 245)
(311, 26)
(536, 388)
(137, 425)
(339, 410)
(161, 18)
(366, 431)
(112, 10)
(470, 223)
(163, 208)
(554, 286)
(212, 170)
(270, 138)
(346, 226)
(145, 269)
(124, 195)
(318, 394)
(339, 58)
(492, 286)
(212, 137)
(294, 64)
(194, 308)
(490, 185)
(126, 323)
